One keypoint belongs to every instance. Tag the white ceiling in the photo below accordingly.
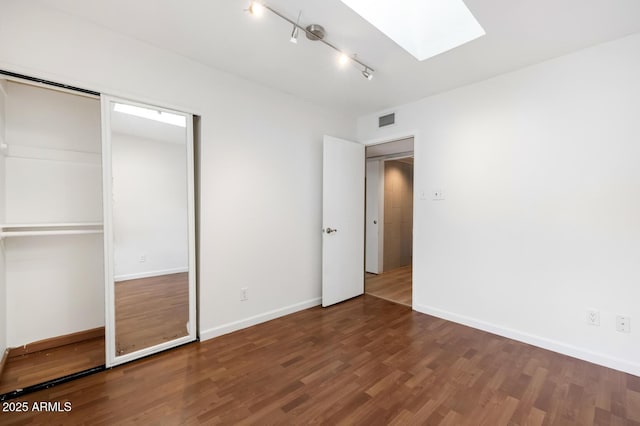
(220, 34)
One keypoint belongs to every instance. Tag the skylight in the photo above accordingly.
(151, 114)
(424, 28)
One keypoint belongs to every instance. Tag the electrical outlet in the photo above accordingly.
(143, 258)
(593, 317)
(243, 294)
(623, 324)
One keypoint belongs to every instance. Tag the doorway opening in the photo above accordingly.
(389, 221)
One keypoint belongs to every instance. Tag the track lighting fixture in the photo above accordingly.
(313, 32)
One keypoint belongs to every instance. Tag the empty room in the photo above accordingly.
(333, 212)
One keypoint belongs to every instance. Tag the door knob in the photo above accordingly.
(330, 231)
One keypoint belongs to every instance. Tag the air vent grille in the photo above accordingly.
(387, 120)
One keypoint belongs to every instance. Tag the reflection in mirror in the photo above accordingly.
(150, 226)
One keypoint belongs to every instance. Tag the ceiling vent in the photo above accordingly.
(387, 120)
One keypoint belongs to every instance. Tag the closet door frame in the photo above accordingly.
(107, 190)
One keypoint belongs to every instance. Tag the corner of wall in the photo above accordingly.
(257, 319)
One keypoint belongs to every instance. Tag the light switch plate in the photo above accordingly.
(623, 324)
(437, 195)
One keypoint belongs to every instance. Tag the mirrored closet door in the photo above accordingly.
(149, 229)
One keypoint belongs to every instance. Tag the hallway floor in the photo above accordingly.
(394, 285)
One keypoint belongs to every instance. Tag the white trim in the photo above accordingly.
(532, 339)
(257, 319)
(148, 274)
(192, 325)
(150, 350)
(393, 137)
(107, 201)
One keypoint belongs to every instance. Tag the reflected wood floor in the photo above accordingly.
(39, 367)
(365, 361)
(150, 311)
(394, 285)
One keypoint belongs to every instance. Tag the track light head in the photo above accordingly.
(294, 35)
(256, 9)
(343, 59)
(367, 73)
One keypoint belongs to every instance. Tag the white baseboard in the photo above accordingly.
(541, 342)
(147, 274)
(257, 319)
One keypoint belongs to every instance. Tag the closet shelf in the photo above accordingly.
(51, 225)
(51, 154)
(43, 229)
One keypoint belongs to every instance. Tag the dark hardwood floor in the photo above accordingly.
(365, 361)
(150, 311)
(393, 285)
(39, 367)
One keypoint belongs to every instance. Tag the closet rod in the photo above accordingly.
(48, 82)
(8, 234)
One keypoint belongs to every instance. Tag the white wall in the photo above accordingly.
(54, 284)
(541, 216)
(149, 207)
(3, 288)
(53, 167)
(261, 157)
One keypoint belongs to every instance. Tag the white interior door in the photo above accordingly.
(374, 216)
(342, 220)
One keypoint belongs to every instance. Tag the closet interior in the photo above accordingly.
(52, 300)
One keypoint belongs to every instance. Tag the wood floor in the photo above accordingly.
(394, 285)
(39, 367)
(150, 311)
(365, 361)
